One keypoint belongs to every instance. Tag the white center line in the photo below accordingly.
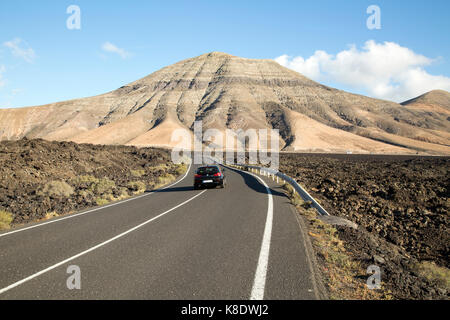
(37, 274)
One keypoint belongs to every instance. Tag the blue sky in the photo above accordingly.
(52, 63)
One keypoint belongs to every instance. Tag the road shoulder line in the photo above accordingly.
(259, 282)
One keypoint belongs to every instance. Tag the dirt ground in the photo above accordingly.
(401, 204)
(40, 179)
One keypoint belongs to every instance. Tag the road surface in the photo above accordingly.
(241, 242)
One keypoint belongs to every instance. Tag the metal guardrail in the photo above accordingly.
(279, 175)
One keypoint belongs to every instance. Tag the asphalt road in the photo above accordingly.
(241, 242)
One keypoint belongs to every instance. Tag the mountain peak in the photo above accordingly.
(228, 92)
(439, 98)
(217, 54)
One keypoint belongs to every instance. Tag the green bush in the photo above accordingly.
(104, 185)
(295, 198)
(181, 169)
(101, 201)
(136, 186)
(165, 179)
(85, 180)
(123, 194)
(50, 215)
(94, 185)
(5, 219)
(137, 173)
(433, 272)
(85, 193)
(57, 189)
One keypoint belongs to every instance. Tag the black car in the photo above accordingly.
(209, 176)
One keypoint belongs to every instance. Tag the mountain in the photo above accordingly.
(434, 101)
(225, 91)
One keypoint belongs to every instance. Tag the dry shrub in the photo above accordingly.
(57, 188)
(5, 219)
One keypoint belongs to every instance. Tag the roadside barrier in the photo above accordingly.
(274, 174)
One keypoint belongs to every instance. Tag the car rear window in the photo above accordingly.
(207, 170)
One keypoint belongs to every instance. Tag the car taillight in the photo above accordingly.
(197, 176)
(218, 174)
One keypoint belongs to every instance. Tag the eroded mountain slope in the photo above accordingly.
(225, 91)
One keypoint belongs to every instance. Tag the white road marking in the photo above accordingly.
(37, 274)
(259, 281)
(96, 209)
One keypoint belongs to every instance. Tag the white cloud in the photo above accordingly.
(21, 49)
(383, 70)
(109, 47)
